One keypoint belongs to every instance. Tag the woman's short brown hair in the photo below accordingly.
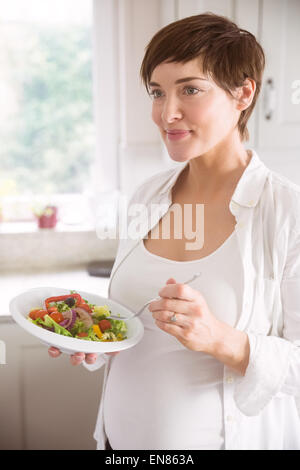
(229, 54)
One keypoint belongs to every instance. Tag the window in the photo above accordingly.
(47, 130)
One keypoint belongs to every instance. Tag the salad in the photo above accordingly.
(71, 315)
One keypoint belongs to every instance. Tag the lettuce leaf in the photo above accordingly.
(91, 335)
(78, 327)
(50, 323)
(118, 326)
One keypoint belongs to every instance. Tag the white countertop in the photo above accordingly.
(11, 284)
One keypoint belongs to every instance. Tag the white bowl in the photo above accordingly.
(21, 305)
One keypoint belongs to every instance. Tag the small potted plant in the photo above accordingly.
(47, 217)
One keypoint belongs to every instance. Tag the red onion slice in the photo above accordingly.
(73, 319)
(69, 319)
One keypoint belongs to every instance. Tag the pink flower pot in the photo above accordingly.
(49, 218)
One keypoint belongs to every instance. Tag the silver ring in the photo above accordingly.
(173, 317)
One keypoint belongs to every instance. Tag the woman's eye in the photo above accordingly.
(155, 94)
(190, 90)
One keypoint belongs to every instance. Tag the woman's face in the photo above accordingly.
(192, 113)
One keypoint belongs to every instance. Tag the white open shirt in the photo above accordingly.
(261, 408)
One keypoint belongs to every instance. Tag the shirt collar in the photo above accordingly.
(250, 185)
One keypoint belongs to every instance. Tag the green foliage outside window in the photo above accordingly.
(46, 122)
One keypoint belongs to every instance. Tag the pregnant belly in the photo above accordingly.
(160, 395)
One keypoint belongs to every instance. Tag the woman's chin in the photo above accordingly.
(181, 155)
(178, 158)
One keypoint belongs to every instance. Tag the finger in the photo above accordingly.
(172, 305)
(77, 358)
(54, 352)
(174, 330)
(163, 316)
(91, 358)
(171, 280)
(179, 291)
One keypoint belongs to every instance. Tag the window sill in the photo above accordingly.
(32, 227)
(25, 246)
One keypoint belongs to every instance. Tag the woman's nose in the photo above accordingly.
(171, 111)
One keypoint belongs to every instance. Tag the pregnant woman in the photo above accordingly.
(219, 364)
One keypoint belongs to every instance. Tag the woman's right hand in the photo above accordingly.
(79, 357)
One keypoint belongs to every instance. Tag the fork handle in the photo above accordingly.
(149, 302)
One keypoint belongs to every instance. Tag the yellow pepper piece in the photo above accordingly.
(119, 337)
(97, 330)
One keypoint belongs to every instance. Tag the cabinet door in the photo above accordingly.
(195, 7)
(45, 403)
(279, 110)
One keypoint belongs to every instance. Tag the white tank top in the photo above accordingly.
(159, 394)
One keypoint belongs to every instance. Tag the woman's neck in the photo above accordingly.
(216, 171)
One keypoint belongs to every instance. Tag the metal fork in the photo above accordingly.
(115, 317)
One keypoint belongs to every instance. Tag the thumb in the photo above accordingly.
(171, 280)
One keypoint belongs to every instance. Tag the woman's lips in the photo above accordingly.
(177, 135)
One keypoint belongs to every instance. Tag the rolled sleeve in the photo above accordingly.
(101, 360)
(274, 363)
(265, 375)
(291, 308)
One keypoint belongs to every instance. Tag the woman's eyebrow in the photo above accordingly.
(180, 80)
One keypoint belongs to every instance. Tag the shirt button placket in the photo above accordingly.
(229, 379)
(230, 424)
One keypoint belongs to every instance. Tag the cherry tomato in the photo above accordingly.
(57, 317)
(42, 313)
(37, 313)
(33, 312)
(104, 325)
(52, 310)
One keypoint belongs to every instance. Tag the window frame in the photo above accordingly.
(105, 169)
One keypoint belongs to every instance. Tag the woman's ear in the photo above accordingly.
(245, 94)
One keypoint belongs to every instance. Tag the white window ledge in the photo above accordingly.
(29, 247)
(32, 227)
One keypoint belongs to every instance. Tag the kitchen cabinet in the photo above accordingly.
(45, 403)
(279, 111)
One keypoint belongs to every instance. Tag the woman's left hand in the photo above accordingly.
(195, 327)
